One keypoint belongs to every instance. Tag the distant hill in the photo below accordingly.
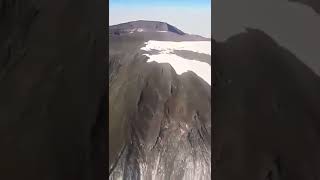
(152, 30)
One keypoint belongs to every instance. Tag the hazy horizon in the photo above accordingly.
(178, 13)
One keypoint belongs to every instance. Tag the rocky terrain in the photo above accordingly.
(159, 121)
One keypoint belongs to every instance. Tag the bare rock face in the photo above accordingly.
(52, 85)
(159, 122)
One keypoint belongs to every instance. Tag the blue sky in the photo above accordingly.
(172, 3)
(191, 16)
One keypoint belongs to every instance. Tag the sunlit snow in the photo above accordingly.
(140, 30)
(195, 46)
(181, 65)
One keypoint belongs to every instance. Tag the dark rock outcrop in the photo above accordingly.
(52, 82)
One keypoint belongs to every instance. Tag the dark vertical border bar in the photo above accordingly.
(107, 98)
(100, 129)
(213, 82)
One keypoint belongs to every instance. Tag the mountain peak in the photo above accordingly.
(144, 26)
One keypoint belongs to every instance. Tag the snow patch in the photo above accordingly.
(135, 30)
(140, 30)
(195, 46)
(181, 65)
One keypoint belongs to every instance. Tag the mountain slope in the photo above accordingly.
(144, 26)
(152, 30)
(159, 121)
